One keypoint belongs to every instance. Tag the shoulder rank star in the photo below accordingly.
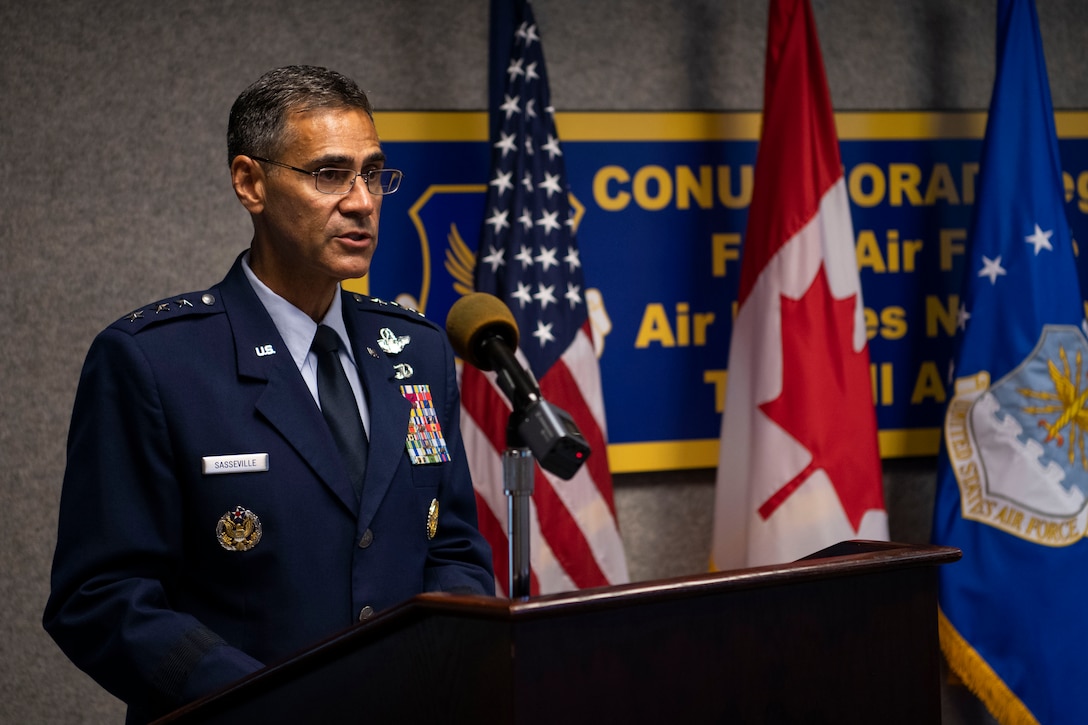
(391, 343)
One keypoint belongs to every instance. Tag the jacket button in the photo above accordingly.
(367, 540)
(366, 613)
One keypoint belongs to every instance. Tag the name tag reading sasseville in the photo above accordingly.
(238, 463)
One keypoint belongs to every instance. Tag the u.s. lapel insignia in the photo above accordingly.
(432, 519)
(391, 343)
(238, 530)
(403, 371)
(424, 441)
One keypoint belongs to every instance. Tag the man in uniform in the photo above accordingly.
(223, 507)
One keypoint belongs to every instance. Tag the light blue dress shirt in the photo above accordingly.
(298, 330)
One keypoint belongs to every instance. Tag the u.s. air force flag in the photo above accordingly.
(1013, 476)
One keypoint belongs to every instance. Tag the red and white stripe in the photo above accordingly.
(575, 541)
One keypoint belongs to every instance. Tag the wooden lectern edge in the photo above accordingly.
(848, 558)
(844, 559)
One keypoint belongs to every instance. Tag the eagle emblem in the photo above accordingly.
(238, 530)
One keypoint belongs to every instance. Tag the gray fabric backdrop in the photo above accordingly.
(115, 192)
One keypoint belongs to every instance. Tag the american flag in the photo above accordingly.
(528, 257)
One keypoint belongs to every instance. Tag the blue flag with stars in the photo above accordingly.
(1012, 489)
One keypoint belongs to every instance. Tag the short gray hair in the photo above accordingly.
(259, 114)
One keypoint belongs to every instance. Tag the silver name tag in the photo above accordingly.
(239, 463)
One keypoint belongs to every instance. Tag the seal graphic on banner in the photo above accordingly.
(1018, 447)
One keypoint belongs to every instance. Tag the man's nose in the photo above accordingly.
(359, 198)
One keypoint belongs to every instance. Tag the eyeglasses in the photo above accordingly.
(329, 180)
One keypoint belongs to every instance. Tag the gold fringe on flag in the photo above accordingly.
(966, 664)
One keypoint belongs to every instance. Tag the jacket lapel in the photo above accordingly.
(389, 410)
(285, 402)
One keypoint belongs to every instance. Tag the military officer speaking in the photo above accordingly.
(258, 465)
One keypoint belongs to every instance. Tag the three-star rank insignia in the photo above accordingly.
(432, 519)
(391, 343)
(238, 530)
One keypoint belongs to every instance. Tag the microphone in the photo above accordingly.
(484, 333)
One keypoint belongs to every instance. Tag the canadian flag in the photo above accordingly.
(799, 466)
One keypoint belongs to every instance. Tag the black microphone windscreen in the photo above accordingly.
(473, 318)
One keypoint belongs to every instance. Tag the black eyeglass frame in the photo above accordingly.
(367, 175)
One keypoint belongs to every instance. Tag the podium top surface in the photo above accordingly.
(847, 558)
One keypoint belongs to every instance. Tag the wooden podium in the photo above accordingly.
(847, 635)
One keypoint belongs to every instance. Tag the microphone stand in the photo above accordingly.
(535, 430)
(484, 333)
(517, 477)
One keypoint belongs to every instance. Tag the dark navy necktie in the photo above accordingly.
(339, 406)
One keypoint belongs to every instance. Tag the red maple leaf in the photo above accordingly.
(826, 402)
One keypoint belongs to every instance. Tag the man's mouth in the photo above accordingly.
(355, 236)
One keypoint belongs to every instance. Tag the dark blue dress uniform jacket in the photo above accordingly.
(144, 598)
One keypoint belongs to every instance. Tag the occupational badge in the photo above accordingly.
(432, 519)
(403, 371)
(424, 442)
(391, 343)
(238, 530)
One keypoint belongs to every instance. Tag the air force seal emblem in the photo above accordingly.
(1018, 447)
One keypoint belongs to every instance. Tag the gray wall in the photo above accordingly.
(115, 192)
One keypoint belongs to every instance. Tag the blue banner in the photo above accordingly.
(661, 202)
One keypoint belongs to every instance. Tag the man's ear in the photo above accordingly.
(248, 179)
